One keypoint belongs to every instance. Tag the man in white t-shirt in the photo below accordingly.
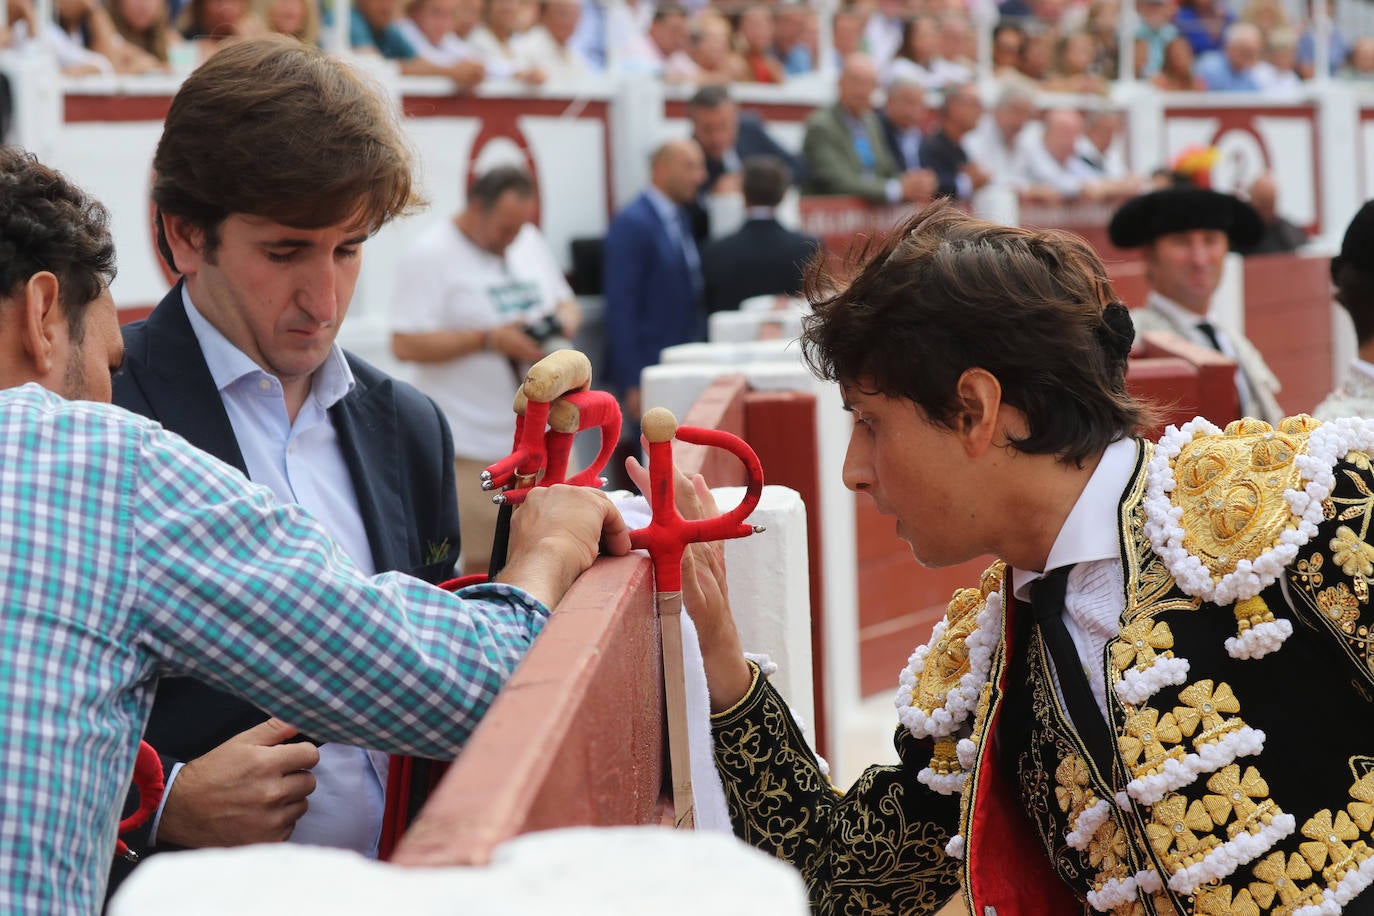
(477, 299)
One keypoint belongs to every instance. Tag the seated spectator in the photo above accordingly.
(547, 46)
(1098, 147)
(376, 28)
(298, 18)
(710, 51)
(84, 37)
(884, 29)
(1360, 66)
(763, 257)
(918, 56)
(209, 22)
(942, 152)
(1073, 66)
(1037, 57)
(794, 38)
(495, 39)
(905, 117)
(1007, 39)
(847, 33)
(1176, 74)
(1053, 169)
(758, 63)
(1266, 15)
(438, 30)
(1338, 46)
(1103, 26)
(144, 24)
(1280, 234)
(957, 50)
(1277, 73)
(660, 47)
(1203, 23)
(995, 144)
(1156, 29)
(844, 146)
(1233, 68)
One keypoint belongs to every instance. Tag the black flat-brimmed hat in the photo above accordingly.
(1143, 219)
(1357, 248)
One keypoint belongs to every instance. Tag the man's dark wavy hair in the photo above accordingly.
(946, 292)
(274, 128)
(48, 223)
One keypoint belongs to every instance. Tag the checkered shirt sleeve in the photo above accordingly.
(128, 555)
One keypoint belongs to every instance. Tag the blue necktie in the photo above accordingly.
(689, 250)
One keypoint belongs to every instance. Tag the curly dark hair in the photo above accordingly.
(946, 292)
(48, 223)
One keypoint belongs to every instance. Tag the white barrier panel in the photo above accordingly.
(584, 871)
(743, 326)
(770, 592)
(776, 366)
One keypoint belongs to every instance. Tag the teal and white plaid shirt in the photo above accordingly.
(126, 554)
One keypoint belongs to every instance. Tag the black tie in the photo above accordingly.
(1210, 333)
(1047, 601)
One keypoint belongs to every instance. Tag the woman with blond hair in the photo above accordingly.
(143, 24)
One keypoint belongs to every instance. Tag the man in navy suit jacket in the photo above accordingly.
(727, 137)
(763, 257)
(240, 359)
(652, 273)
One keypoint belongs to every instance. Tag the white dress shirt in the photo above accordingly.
(302, 463)
(1184, 318)
(1090, 541)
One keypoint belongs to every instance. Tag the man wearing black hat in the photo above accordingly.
(1352, 272)
(1186, 233)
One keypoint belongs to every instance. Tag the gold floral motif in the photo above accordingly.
(1180, 833)
(1223, 901)
(1351, 553)
(1244, 797)
(1140, 642)
(1072, 791)
(1308, 572)
(1230, 488)
(948, 660)
(1340, 605)
(1143, 745)
(1361, 809)
(1107, 851)
(1334, 845)
(1204, 705)
(1277, 879)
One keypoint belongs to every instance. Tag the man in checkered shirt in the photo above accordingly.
(128, 554)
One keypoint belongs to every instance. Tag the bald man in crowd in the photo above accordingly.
(653, 280)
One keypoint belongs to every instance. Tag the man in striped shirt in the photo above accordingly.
(128, 554)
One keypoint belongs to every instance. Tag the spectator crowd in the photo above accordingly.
(1069, 46)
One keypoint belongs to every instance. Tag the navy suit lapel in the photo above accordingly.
(365, 420)
(181, 391)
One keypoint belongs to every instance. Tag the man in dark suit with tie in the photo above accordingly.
(727, 137)
(653, 273)
(240, 359)
(904, 118)
(943, 151)
(763, 257)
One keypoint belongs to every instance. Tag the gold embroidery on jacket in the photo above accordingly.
(1139, 643)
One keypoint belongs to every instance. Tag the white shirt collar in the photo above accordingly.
(1175, 312)
(1362, 367)
(666, 209)
(228, 364)
(1091, 530)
